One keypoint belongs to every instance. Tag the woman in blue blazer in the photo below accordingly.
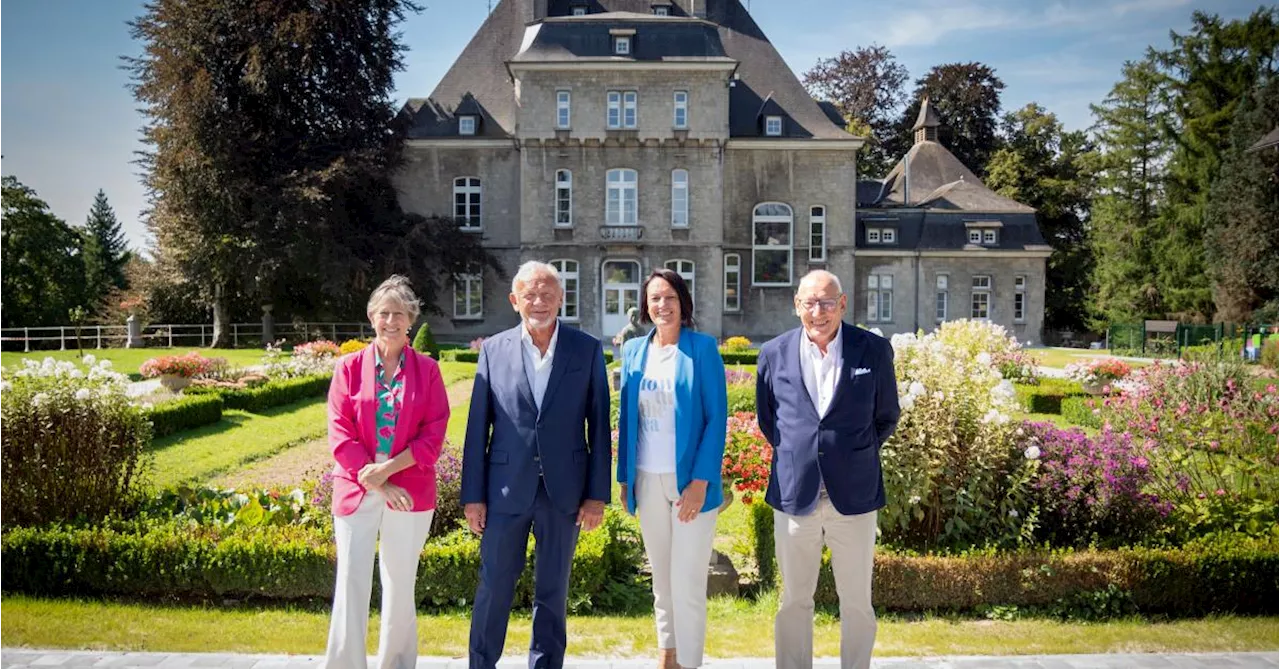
(670, 448)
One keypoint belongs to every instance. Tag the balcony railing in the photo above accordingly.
(621, 233)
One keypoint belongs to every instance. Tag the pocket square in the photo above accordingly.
(861, 370)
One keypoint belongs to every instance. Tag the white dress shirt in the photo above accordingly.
(821, 372)
(537, 367)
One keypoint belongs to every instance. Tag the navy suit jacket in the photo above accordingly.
(841, 448)
(510, 443)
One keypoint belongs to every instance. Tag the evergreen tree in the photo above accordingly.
(1206, 73)
(1128, 169)
(966, 97)
(1043, 166)
(1241, 248)
(43, 268)
(105, 250)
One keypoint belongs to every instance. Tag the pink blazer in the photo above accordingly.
(353, 407)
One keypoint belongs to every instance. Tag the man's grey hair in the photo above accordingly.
(821, 274)
(530, 269)
(396, 289)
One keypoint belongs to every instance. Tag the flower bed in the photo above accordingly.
(187, 366)
(747, 457)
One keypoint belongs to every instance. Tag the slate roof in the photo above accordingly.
(480, 72)
(658, 38)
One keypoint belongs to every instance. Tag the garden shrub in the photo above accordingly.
(468, 355)
(352, 345)
(271, 394)
(424, 342)
(749, 357)
(449, 514)
(184, 413)
(736, 344)
(1046, 395)
(187, 366)
(742, 398)
(1082, 411)
(72, 443)
(1270, 356)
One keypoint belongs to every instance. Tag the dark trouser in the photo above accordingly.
(502, 550)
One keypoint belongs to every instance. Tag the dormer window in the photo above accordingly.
(579, 11)
(622, 45)
(661, 10)
(983, 233)
(773, 126)
(466, 125)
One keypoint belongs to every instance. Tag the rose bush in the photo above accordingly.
(747, 456)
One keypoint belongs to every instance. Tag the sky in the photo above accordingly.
(69, 125)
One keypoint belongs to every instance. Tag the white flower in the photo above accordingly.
(39, 398)
(993, 416)
(1032, 452)
(105, 364)
(939, 395)
(984, 358)
(84, 394)
(1004, 390)
(76, 374)
(906, 402)
(5, 386)
(877, 332)
(89, 359)
(916, 389)
(1013, 513)
(1019, 432)
(915, 499)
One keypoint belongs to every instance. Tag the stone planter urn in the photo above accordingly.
(174, 382)
(1095, 388)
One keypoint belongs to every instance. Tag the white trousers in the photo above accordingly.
(798, 542)
(680, 555)
(403, 533)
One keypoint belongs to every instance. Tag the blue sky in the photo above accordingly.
(69, 125)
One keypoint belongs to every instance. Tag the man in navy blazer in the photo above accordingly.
(826, 399)
(536, 457)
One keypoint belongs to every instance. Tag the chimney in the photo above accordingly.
(926, 127)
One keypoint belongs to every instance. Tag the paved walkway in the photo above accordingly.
(19, 658)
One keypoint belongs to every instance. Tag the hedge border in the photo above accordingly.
(469, 355)
(268, 395)
(185, 413)
(1077, 410)
(1046, 396)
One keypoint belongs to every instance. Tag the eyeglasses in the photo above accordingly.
(824, 305)
(546, 297)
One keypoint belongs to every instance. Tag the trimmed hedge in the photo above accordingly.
(267, 395)
(185, 413)
(1078, 411)
(269, 562)
(749, 357)
(1046, 396)
(468, 355)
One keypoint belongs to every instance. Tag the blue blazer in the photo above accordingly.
(702, 409)
(510, 444)
(841, 448)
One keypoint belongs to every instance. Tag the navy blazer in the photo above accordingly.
(841, 448)
(510, 444)
(701, 413)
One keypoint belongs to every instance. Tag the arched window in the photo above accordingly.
(466, 202)
(685, 269)
(620, 197)
(679, 198)
(771, 246)
(564, 199)
(569, 277)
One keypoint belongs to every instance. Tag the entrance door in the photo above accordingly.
(621, 282)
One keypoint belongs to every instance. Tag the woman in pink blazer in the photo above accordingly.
(387, 416)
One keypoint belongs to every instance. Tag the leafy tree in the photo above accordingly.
(1242, 213)
(271, 145)
(966, 97)
(43, 267)
(868, 86)
(105, 250)
(1206, 74)
(1129, 171)
(1043, 166)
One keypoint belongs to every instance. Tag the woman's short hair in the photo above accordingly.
(396, 288)
(682, 293)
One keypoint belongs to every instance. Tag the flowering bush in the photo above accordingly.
(1211, 439)
(449, 514)
(305, 361)
(351, 346)
(1016, 365)
(72, 442)
(738, 376)
(747, 456)
(736, 344)
(1100, 372)
(1092, 488)
(320, 348)
(953, 471)
(188, 366)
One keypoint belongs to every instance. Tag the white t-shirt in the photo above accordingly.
(656, 440)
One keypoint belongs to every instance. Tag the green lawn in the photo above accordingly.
(128, 360)
(736, 628)
(453, 372)
(237, 440)
(1061, 357)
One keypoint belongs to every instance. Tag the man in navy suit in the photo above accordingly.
(826, 399)
(536, 457)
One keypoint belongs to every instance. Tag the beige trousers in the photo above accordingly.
(679, 554)
(398, 537)
(798, 542)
